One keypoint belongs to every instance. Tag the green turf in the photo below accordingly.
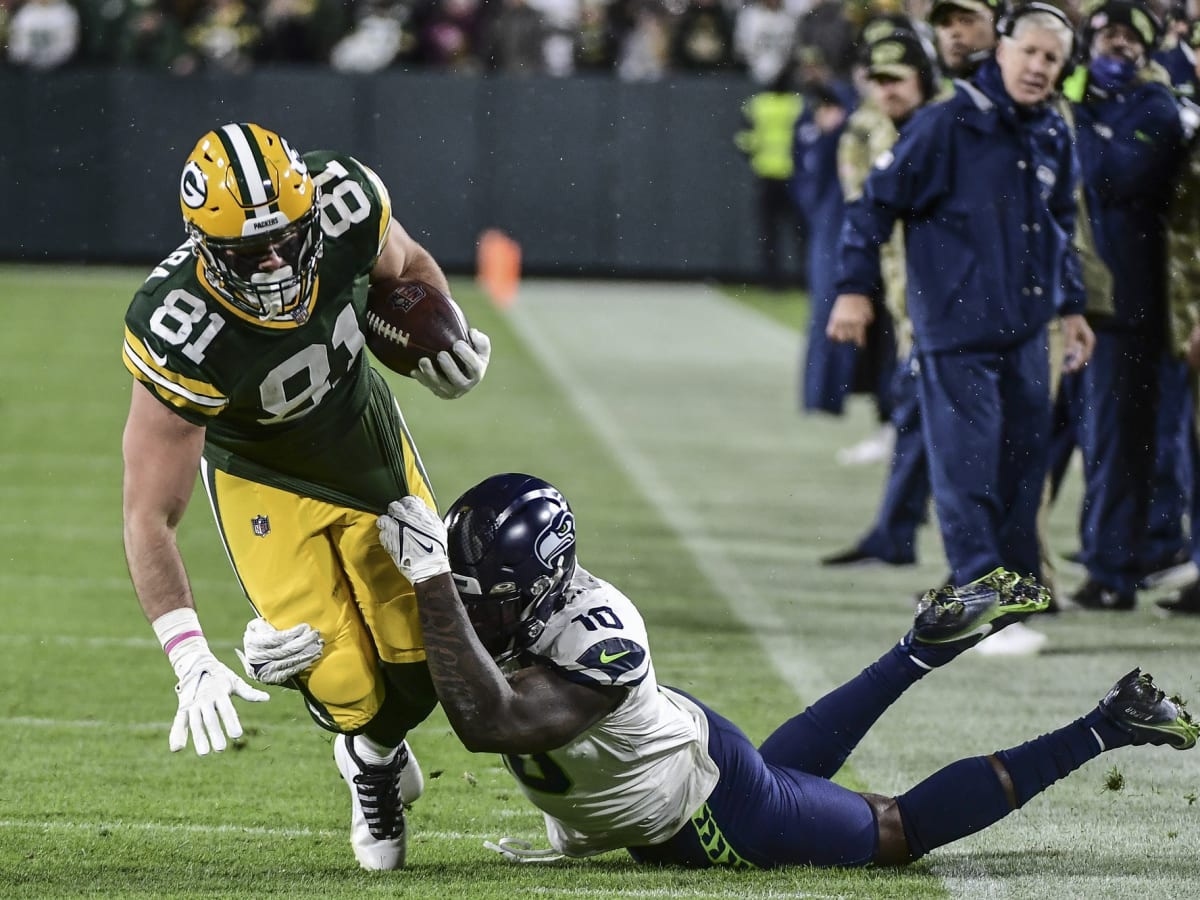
(789, 307)
(667, 413)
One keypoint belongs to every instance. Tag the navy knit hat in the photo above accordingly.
(1135, 15)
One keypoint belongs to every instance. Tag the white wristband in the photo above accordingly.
(180, 634)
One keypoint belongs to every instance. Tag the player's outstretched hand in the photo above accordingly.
(449, 379)
(206, 688)
(276, 657)
(415, 538)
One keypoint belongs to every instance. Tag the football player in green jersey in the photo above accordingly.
(249, 365)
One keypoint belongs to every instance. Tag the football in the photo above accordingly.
(409, 320)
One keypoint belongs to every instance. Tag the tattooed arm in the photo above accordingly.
(532, 711)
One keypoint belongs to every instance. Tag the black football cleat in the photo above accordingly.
(1173, 572)
(858, 558)
(955, 619)
(1144, 712)
(1093, 595)
(1184, 602)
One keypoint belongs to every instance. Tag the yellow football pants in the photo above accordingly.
(304, 560)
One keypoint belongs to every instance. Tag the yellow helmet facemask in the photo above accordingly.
(253, 215)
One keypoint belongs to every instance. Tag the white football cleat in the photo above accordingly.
(412, 779)
(377, 796)
(1015, 640)
(875, 449)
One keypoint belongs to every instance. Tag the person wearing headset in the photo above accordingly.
(1130, 143)
(984, 184)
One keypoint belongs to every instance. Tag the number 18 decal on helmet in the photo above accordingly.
(252, 213)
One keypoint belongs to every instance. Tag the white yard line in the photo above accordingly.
(92, 583)
(731, 891)
(164, 727)
(71, 640)
(188, 828)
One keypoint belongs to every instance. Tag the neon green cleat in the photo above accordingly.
(1139, 708)
(952, 619)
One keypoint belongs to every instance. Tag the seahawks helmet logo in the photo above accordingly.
(193, 186)
(555, 539)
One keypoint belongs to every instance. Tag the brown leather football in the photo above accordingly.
(408, 320)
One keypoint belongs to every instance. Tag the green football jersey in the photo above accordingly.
(292, 403)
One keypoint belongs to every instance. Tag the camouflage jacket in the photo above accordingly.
(870, 133)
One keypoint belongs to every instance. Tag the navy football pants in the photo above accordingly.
(1120, 402)
(987, 420)
(774, 805)
(893, 536)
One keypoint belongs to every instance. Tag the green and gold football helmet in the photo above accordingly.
(253, 216)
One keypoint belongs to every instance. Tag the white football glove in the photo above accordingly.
(415, 539)
(447, 379)
(205, 709)
(276, 657)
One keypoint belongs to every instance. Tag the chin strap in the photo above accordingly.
(519, 851)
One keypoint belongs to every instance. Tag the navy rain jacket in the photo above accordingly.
(1130, 146)
(985, 190)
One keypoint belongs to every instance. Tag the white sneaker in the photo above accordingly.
(875, 449)
(1170, 577)
(377, 797)
(412, 779)
(1016, 639)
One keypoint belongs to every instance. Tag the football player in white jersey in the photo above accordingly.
(538, 660)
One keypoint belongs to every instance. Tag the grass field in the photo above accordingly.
(667, 415)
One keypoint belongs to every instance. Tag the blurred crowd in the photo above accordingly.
(633, 39)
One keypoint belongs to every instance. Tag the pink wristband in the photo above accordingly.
(179, 638)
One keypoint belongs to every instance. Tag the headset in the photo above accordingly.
(1007, 25)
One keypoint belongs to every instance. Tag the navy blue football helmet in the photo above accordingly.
(511, 542)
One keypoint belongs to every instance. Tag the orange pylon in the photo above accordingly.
(498, 267)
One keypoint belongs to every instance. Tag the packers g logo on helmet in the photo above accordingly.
(252, 213)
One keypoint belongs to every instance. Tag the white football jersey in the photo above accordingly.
(638, 774)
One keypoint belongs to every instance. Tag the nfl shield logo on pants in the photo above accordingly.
(261, 525)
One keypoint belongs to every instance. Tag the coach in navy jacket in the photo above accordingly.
(984, 184)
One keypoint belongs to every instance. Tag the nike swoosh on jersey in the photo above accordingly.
(605, 658)
(161, 360)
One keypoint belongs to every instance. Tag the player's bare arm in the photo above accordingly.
(403, 257)
(531, 711)
(162, 455)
